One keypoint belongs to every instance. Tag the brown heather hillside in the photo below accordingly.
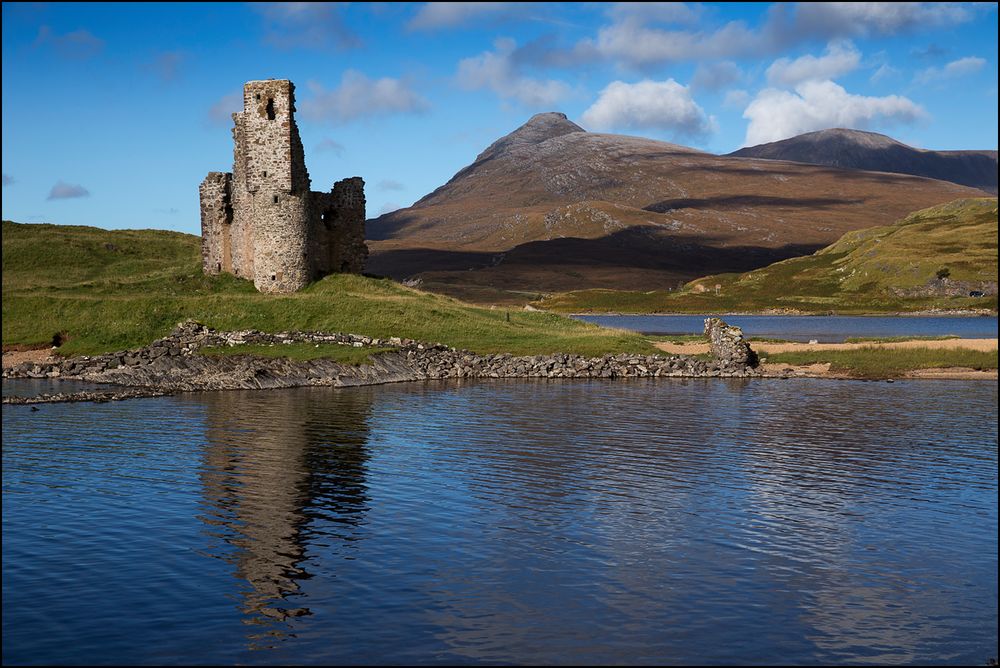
(552, 207)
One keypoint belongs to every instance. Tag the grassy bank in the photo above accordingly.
(905, 267)
(874, 362)
(112, 290)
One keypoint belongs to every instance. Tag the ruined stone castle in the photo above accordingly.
(261, 221)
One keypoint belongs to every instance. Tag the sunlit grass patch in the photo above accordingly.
(875, 362)
(115, 290)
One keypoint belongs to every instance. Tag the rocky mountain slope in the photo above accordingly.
(551, 207)
(854, 149)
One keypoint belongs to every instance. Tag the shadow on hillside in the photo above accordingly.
(630, 252)
(743, 201)
(388, 224)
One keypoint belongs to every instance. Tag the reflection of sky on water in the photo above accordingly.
(687, 521)
(825, 329)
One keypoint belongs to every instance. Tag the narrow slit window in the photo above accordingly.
(275, 199)
(270, 108)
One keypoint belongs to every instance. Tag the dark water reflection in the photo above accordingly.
(274, 481)
(689, 521)
(30, 387)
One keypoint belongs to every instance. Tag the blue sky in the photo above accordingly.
(113, 113)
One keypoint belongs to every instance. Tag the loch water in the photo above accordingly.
(822, 328)
(668, 521)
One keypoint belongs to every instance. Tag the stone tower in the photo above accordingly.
(261, 221)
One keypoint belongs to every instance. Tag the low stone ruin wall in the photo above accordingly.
(728, 345)
(171, 364)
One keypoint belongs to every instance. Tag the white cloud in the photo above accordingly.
(887, 18)
(641, 37)
(389, 207)
(929, 52)
(954, 69)
(221, 112)
(310, 25)
(327, 145)
(885, 71)
(63, 190)
(436, 15)
(636, 44)
(660, 12)
(662, 105)
(167, 65)
(389, 184)
(496, 71)
(736, 99)
(840, 58)
(78, 44)
(716, 76)
(817, 105)
(359, 97)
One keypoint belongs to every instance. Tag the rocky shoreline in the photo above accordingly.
(171, 364)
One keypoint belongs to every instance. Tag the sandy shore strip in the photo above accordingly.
(954, 373)
(14, 357)
(823, 370)
(982, 345)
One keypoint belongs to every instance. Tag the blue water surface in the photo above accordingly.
(825, 329)
(670, 521)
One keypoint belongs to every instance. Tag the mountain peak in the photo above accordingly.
(539, 128)
(871, 151)
(858, 137)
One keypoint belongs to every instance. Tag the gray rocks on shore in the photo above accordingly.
(170, 364)
(96, 397)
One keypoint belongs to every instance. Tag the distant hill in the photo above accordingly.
(551, 207)
(933, 258)
(854, 149)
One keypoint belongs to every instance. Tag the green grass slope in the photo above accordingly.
(112, 290)
(892, 268)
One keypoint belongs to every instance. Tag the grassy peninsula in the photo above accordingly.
(930, 260)
(113, 290)
(879, 362)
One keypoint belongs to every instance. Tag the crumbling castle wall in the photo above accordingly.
(728, 345)
(261, 222)
(216, 222)
(339, 241)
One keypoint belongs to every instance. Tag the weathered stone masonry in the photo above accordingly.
(172, 365)
(261, 221)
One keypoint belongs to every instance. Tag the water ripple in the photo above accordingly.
(686, 521)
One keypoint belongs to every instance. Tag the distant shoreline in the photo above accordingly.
(890, 314)
(168, 366)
